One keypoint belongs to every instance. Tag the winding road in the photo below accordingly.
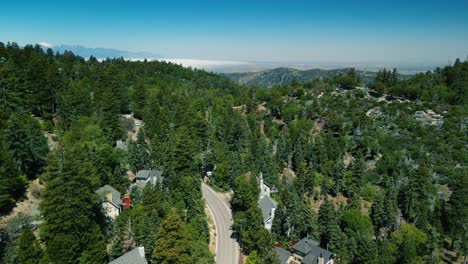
(227, 249)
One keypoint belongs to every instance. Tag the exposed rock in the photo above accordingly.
(429, 117)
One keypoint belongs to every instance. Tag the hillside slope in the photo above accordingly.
(280, 76)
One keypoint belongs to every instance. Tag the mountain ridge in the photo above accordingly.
(101, 53)
(286, 75)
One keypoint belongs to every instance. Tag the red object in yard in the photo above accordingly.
(126, 202)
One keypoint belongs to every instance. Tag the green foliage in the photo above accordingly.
(251, 232)
(174, 242)
(457, 211)
(416, 196)
(71, 211)
(246, 194)
(138, 154)
(253, 258)
(12, 183)
(329, 228)
(445, 85)
(410, 242)
(353, 222)
(196, 121)
(29, 250)
(27, 144)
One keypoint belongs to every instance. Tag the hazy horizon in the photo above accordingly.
(366, 34)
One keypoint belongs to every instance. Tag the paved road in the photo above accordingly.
(227, 249)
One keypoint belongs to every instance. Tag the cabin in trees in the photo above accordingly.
(145, 176)
(135, 256)
(110, 200)
(306, 251)
(266, 204)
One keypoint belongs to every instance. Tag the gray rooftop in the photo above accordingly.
(135, 256)
(115, 195)
(148, 175)
(145, 174)
(283, 255)
(266, 204)
(311, 251)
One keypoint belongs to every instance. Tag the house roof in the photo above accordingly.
(135, 256)
(115, 195)
(144, 175)
(304, 246)
(311, 251)
(313, 255)
(283, 255)
(266, 203)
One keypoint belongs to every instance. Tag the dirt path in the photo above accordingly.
(28, 206)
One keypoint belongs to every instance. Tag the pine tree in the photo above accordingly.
(140, 100)
(329, 229)
(138, 154)
(457, 210)
(70, 209)
(12, 183)
(29, 250)
(252, 234)
(354, 180)
(416, 196)
(366, 251)
(174, 243)
(377, 214)
(27, 144)
(246, 193)
(280, 225)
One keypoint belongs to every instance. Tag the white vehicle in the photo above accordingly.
(137, 123)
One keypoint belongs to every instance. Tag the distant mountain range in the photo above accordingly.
(101, 53)
(280, 76)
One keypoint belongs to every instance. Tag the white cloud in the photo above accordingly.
(45, 44)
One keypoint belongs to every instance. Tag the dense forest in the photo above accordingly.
(365, 176)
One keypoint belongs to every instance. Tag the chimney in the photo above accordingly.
(141, 251)
(321, 260)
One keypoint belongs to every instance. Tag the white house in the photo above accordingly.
(266, 204)
(110, 200)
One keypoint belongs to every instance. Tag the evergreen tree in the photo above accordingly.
(140, 100)
(29, 250)
(366, 251)
(27, 144)
(377, 214)
(246, 193)
(138, 154)
(457, 210)
(173, 244)
(416, 196)
(12, 183)
(71, 212)
(329, 228)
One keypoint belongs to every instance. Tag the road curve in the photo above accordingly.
(227, 249)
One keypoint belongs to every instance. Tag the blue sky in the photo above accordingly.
(345, 31)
